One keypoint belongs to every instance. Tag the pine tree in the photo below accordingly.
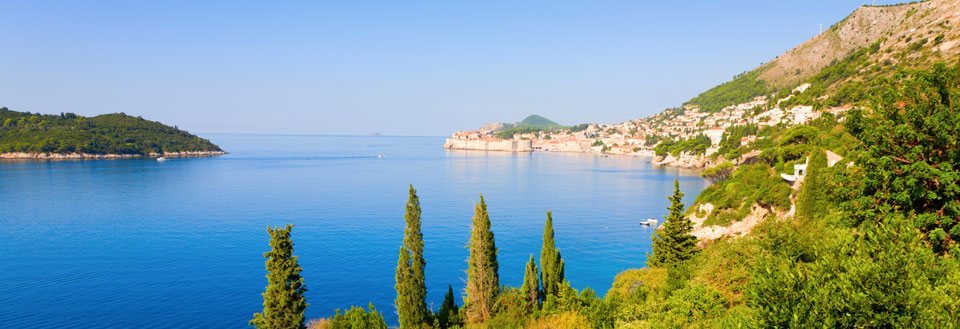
(483, 282)
(411, 282)
(673, 242)
(449, 315)
(531, 285)
(551, 263)
(812, 201)
(283, 300)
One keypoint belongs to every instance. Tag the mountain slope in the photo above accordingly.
(876, 40)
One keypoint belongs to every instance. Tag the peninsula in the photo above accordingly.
(25, 135)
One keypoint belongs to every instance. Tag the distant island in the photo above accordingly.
(25, 135)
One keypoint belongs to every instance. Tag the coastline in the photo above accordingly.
(90, 156)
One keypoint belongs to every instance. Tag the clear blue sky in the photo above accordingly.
(393, 67)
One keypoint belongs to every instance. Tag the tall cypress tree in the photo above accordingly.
(551, 263)
(812, 201)
(283, 300)
(483, 282)
(531, 285)
(449, 315)
(411, 282)
(673, 242)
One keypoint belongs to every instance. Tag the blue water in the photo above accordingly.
(179, 244)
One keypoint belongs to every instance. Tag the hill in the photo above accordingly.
(870, 43)
(108, 134)
(536, 121)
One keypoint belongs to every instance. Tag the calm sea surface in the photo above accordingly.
(179, 244)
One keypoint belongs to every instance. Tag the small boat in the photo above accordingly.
(161, 159)
(649, 222)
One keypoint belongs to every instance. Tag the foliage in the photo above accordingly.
(358, 318)
(530, 289)
(912, 142)
(812, 201)
(673, 243)
(571, 320)
(103, 134)
(696, 145)
(881, 276)
(718, 173)
(283, 300)
(551, 263)
(449, 314)
(598, 312)
(483, 280)
(743, 88)
(754, 184)
(410, 278)
(731, 139)
(687, 307)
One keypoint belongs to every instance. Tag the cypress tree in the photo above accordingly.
(411, 282)
(531, 285)
(283, 300)
(449, 315)
(483, 282)
(673, 242)
(551, 263)
(812, 201)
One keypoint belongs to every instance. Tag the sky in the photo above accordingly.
(424, 68)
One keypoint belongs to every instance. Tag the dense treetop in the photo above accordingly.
(116, 133)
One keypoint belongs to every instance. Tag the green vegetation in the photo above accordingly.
(537, 121)
(411, 283)
(743, 88)
(730, 142)
(103, 134)
(913, 153)
(532, 124)
(283, 300)
(356, 318)
(673, 244)
(449, 314)
(812, 201)
(483, 279)
(550, 261)
(530, 289)
(696, 145)
(719, 172)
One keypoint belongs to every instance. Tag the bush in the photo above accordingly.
(358, 318)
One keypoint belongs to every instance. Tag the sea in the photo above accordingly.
(139, 243)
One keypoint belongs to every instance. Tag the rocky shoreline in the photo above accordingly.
(89, 156)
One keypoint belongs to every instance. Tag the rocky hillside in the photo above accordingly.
(872, 41)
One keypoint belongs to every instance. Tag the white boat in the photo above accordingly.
(161, 159)
(649, 222)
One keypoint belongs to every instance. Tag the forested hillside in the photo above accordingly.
(103, 134)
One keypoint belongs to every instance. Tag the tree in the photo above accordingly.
(483, 281)
(718, 173)
(283, 300)
(449, 314)
(912, 156)
(531, 285)
(551, 263)
(673, 242)
(410, 278)
(812, 201)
